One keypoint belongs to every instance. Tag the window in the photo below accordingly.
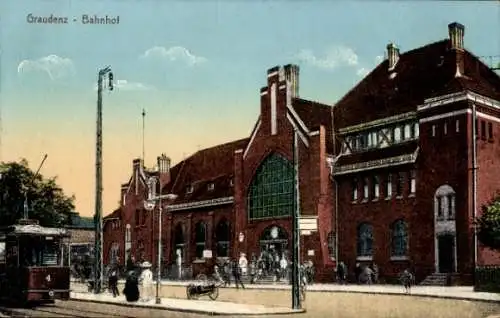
(407, 132)
(354, 187)
(397, 134)
(211, 186)
(445, 128)
(200, 238)
(376, 189)
(490, 131)
(416, 130)
(222, 236)
(332, 245)
(189, 189)
(399, 243)
(271, 190)
(433, 130)
(483, 129)
(179, 243)
(457, 125)
(450, 206)
(413, 182)
(231, 182)
(365, 189)
(388, 183)
(374, 138)
(365, 240)
(400, 184)
(440, 208)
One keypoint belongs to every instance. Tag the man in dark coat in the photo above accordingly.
(237, 273)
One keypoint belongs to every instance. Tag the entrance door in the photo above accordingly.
(446, 252)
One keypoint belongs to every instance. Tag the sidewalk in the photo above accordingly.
(206, 307)
(451, 292)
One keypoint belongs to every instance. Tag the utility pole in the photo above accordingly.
(26, 206)
(296, 303)
(98, 265)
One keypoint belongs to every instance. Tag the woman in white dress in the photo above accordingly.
(146, 282)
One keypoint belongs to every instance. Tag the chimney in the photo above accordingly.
(163, 163)
(392, 55)
(163, 169)
(456, 32)
(292, 77)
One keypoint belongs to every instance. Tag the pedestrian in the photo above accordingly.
(283, 266)
(131, 290)
(227, 274)
(406, 280)
(253, 269)
(357, 272)
(113, 280)
(341, 272)
(374, 269)
(146, 280)
(237, 273)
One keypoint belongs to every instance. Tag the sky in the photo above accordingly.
(196, 67)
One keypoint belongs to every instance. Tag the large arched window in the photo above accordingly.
(200, 238)
(271, 190)
(399, 239)
(223, 237)
(365, 240)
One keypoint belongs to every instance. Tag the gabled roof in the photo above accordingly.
(215, 164)
(314, 114)
(421, 73)
(116, 214)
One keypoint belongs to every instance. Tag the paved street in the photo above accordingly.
(328, 304)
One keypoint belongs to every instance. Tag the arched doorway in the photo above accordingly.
(274, 240)
(445, 246)
(179, 244)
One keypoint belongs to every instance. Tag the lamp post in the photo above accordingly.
(150, 205)
(98, 266)
(296, 275)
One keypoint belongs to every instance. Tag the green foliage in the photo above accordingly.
(488, 224)
(46, 200)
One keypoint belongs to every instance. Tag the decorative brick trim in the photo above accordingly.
(254, 133)
(301, 135)
(200, 204)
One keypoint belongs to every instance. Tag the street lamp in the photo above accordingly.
(149, 205)
(98, 266)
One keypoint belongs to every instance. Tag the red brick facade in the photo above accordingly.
(410, 119)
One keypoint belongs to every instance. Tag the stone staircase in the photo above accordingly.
(439, 279)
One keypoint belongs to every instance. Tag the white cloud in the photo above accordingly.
(55, 66)
(124, 85)
(174, 54)
(333, 57)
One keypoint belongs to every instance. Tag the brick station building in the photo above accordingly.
(385, 175)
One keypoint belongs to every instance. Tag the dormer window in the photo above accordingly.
(231, 182)
(189, 189)
(211, 186)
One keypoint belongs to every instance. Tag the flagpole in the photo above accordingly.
(143, 139)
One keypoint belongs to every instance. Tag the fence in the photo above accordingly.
(487, 279)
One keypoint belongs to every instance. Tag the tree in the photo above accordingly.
(488, 224)
(47, 202)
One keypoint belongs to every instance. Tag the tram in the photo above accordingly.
(32, 268)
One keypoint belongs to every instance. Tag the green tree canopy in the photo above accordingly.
(46, 200)
(488, 223)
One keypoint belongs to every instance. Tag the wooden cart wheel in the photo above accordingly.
(214, 294)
